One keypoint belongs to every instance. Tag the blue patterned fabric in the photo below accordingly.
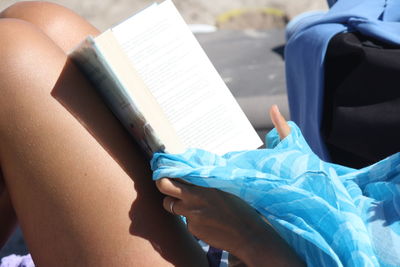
(306, 48)
(330, 215)
(17, 261)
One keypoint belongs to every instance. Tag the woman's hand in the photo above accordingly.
(227, 222)
(218, 218)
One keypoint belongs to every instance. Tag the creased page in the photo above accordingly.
(180, 76)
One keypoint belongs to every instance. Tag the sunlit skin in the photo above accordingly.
(75, 181)
(79, 186)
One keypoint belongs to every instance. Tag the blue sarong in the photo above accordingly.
(329, 214)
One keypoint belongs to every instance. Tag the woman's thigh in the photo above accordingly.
(66, 29)
(80, 187)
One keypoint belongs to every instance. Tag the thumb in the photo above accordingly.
(279, 122)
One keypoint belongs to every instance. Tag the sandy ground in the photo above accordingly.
(105, 13)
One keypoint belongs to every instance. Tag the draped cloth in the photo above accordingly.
(329, 214)
(306, 49)
(17, 261)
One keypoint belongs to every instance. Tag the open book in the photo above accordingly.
(160, 84)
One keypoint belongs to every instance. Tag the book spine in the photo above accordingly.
(90, 60)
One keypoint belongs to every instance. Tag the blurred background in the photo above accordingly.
(105, 13)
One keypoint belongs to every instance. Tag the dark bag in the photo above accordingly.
(361, 115)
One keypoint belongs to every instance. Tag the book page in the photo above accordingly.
(183, 81)
(106, 66)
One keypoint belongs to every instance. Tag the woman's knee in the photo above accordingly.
(28, 56)
(61, 24)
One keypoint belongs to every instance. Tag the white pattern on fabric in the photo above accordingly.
(331, 215)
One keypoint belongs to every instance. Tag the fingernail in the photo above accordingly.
(277, 108)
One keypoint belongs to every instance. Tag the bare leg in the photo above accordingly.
(81, 190)
(66, 29)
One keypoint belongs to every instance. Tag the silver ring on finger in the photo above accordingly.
(171, 207)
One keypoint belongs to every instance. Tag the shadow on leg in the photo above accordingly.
(73, 193)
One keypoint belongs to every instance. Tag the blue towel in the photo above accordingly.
(306, 48)
(329, 214)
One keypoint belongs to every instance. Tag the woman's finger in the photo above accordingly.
(173, 205)
(171, 188)
(279, 122)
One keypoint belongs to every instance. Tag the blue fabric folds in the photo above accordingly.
(17, 261)
(331, 215)
(306, 48)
